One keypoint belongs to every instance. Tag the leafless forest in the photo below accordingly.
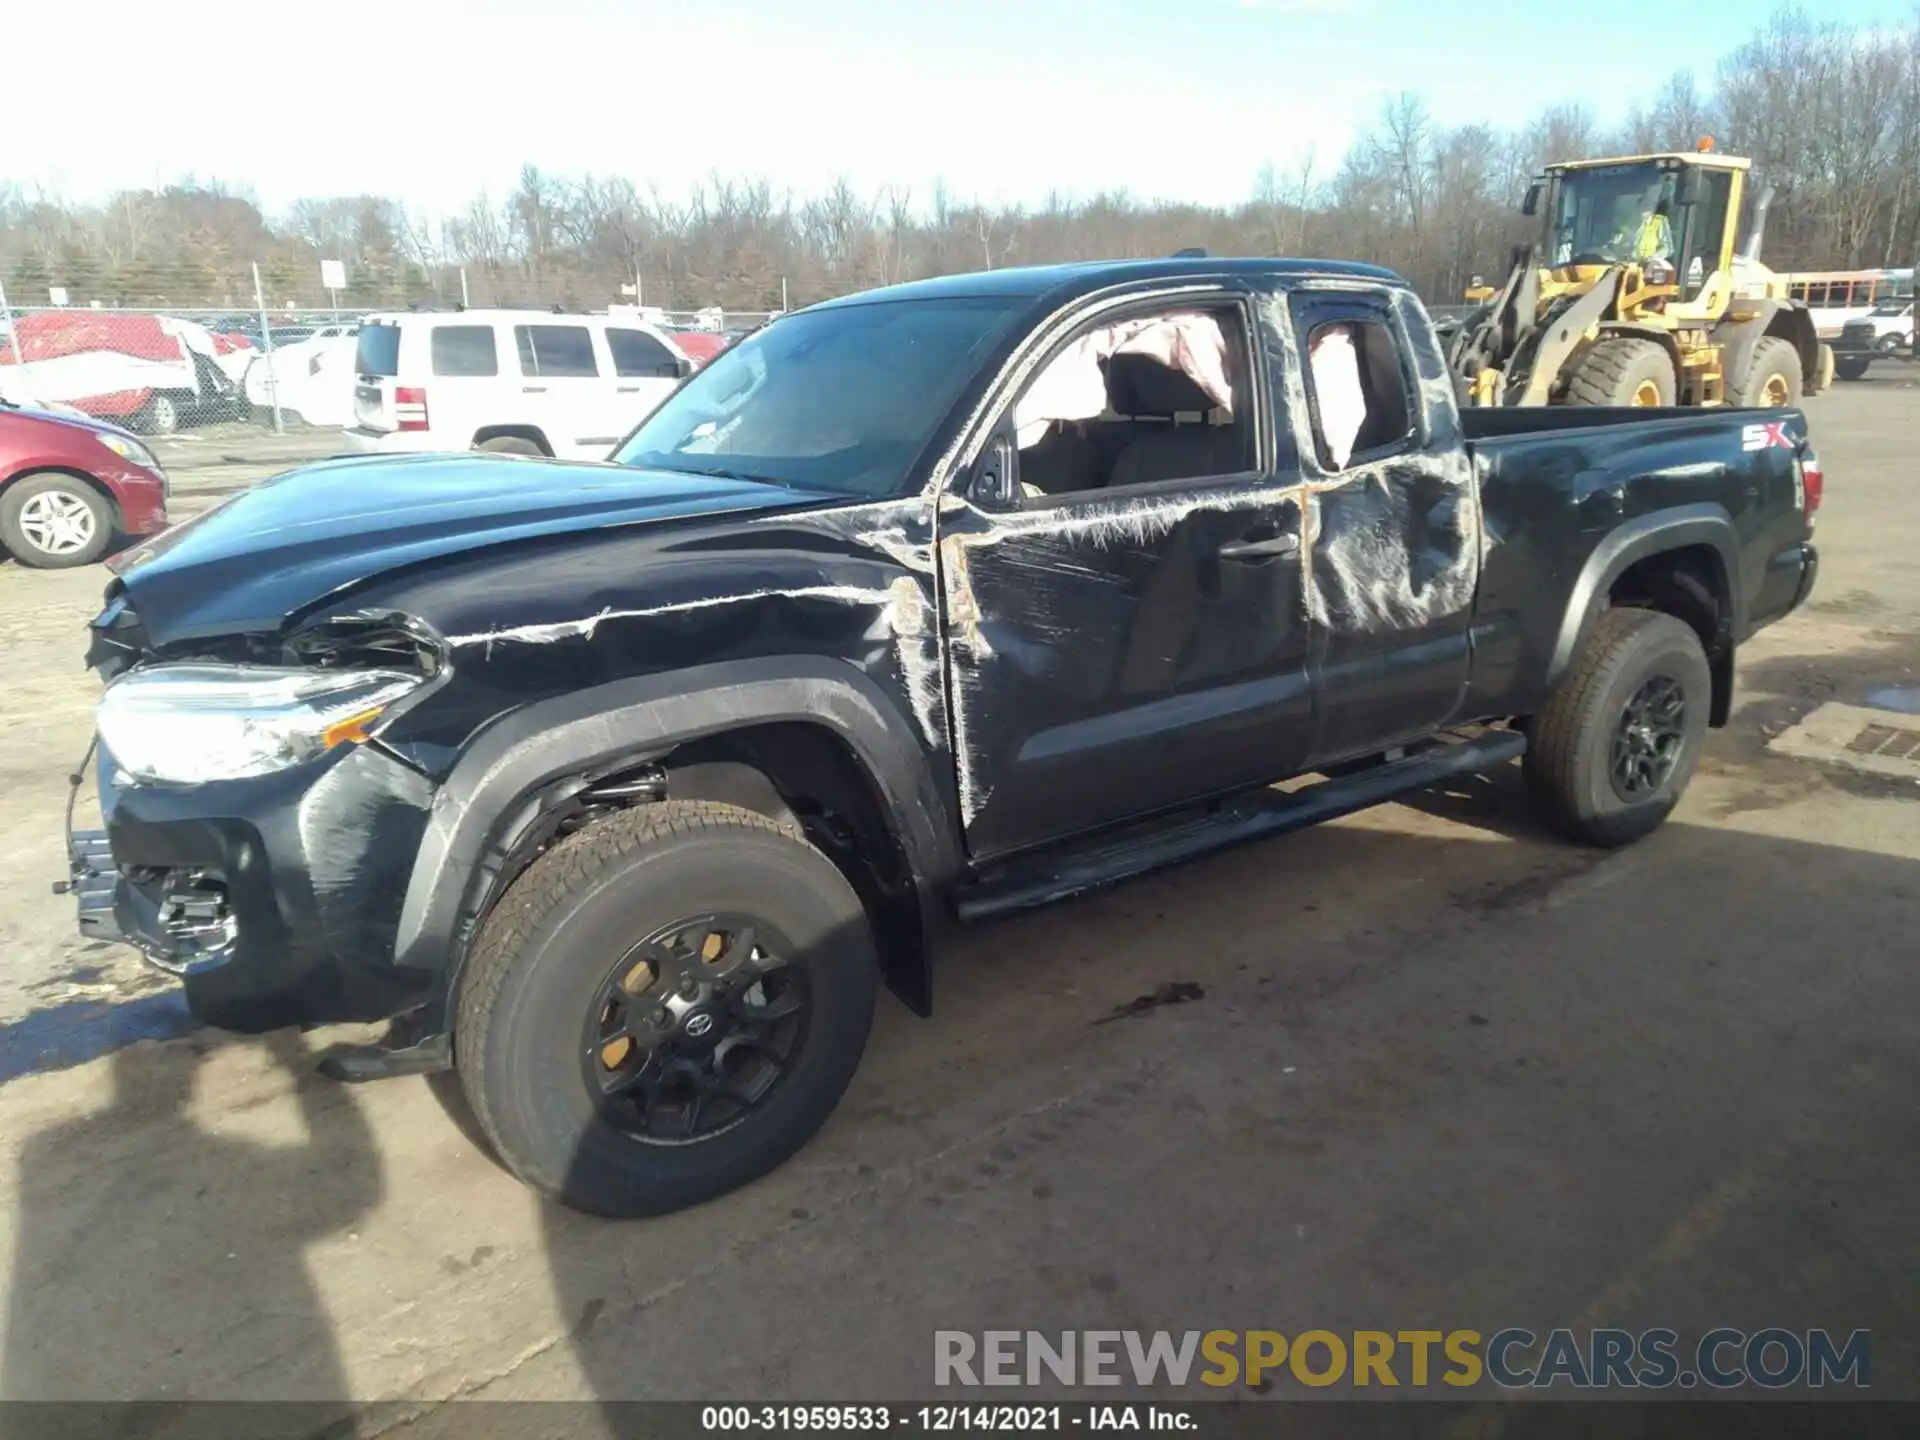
(1831, 115)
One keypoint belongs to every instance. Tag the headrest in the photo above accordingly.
(1138, 385)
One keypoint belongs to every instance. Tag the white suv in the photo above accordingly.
(527, 382)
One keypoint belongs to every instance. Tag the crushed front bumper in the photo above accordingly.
(176, 920)
(91, 881)
(274, 899)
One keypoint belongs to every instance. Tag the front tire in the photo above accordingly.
(664, 1007)
(1622, 371)
(1611, 753)
(1851, 367)
(52, 521)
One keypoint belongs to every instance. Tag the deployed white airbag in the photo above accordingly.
(1335, 363)
(1073, 387)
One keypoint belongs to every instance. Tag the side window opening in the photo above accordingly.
(555, 351)
(1148, 399)
(637, 354)
(465, 350)
(1361, 405)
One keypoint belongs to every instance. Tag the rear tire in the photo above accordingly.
(591, 942)
(1622, 371)
(1773, 375)
(53, 521)
(1612, 751)
(1850, 367)
(510, 445)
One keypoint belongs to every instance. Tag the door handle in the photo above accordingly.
(1265, 549)
(533, 389)
(627, 389)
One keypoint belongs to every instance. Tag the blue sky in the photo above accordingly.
(430, 100)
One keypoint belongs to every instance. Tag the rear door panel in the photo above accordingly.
(565, 384)
(1393, 537)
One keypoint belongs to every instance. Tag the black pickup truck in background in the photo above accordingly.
(621, 787)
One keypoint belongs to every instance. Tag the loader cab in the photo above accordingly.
(1671, 215)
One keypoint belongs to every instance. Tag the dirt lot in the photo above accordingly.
(1445, 1072)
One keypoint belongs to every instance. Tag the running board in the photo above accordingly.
(1137, 851)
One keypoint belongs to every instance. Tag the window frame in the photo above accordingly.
(434, 332)
(1312, 309)
(670, 356)
(529, 347)
(1067, 329)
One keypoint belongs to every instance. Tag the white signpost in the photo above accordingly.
(333, 276)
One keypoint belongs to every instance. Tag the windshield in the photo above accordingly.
(1613, 214)
(840, 399)
(1895, 307)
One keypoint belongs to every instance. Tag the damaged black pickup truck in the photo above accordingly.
(622, 787)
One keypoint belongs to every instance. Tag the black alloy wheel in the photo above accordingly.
(695, 1028)
(1649, 740)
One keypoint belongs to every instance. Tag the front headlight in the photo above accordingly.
(128, 449)
(185, 724)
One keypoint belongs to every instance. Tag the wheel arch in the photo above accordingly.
(1630, 330)
(782, 737)
(1682, 561)
(532, 434)
(1780, 319)
(71, 472)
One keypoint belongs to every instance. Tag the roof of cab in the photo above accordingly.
(1035, 281)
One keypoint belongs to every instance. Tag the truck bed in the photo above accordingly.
(1483, 423)
(1566, 492)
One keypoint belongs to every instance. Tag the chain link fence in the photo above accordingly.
(163, 371)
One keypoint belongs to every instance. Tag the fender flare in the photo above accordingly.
(1737, 338)
(495, 790)
(1633, 330)
(1627, 545)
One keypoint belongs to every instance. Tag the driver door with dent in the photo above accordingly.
(1124, 625)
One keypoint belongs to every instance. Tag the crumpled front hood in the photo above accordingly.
(252, 560)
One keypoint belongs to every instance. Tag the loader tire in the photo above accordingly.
(1773, 375)
(1622, 371)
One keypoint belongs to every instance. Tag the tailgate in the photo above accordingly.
(373, 403)
(376, 361)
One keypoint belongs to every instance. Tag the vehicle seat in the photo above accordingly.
(1062, 462)
(1171, 436)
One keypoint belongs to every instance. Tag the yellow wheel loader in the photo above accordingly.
(1634, 295)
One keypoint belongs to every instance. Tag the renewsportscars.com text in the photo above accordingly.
(1512, 1358)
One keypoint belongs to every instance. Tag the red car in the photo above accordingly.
(699, 346)
(68, 485)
